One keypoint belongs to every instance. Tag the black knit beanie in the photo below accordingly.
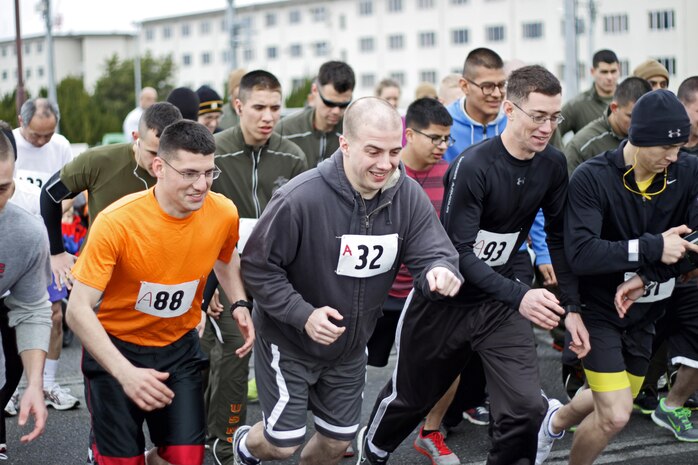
(658, 118)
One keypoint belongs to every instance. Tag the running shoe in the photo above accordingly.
(12, 407)
(239, 435)
(692, 401)
(479, 415)
(252, 395)
(350, 452)
(3, 451)
(545, 437)
(364, 454)
(646, 401)
(677, 420)
(60, 398)
(433, 446)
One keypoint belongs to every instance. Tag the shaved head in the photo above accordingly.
(371, 112)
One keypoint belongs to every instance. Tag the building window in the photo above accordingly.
(27, 48)
(368, 80)
(28, 73)
(166, 32)
(669, 63)
(270, 19)
(494, 33)
(3, 51)
(394, 6)
(365, 7)
(615, 24)
(396, 42)
(428, 76)
(226, 55)
(662, 19)
(459, 36)
(297, 83)
(39, 47)
(425, 4)
(399, 76)
(321, 49)
(206, 58)
(224, 25)
(186, 59)
(579, 25)
(532, 30)
(248, 54)
(149, 34)
(40, 71)
(366, 44)
(459, 2)
(4, 75)
(342, 22)
(296, 50)
(205, 28)
(272, 53)
(318, 14)
(427, 39)
(624, 68)
(294, 16)
(186, 30)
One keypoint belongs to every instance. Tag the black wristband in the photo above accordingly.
(240, 303)
(573, 309)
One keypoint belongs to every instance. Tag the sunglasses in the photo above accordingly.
(331, 103)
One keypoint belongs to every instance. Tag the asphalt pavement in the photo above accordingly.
(641, 443)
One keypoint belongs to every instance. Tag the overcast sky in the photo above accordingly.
(98, 15)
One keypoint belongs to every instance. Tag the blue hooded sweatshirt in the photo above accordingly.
(467, 131)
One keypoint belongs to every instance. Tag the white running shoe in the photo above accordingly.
(545, 437)
(60, 398)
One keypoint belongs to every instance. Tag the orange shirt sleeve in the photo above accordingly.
(96, 263)
(232, 237)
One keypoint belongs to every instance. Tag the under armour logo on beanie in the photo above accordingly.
(658, 118)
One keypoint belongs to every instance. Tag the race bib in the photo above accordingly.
(244, 231)
(659, 292)
(494, 248)
(33, 177)
(166, 300)
(366, 256)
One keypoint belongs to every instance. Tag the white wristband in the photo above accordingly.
(634, 250)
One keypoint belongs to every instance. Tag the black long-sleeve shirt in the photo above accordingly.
(610, 230)
(487, 189)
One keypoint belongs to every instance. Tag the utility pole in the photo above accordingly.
(592, 23)
(232, 30)
(48, 19)
(20, 70)
(571, 62)
(137, 65)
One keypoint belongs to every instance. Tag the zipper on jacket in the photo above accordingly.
(323, 147)
(255, 182)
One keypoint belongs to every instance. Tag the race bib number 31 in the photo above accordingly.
(659, 292)
(166, 300)
(366, 256)
(494, 248)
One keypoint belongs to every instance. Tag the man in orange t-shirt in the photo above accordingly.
(144, 268)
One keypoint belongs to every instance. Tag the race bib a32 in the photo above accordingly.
(166, 300)
(366, 256)
(494, 248)
(659, 292)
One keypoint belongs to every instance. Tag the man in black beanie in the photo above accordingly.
(627, 210)
(187, 101)
(210, 108)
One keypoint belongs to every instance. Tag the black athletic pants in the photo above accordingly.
(13, 366)
(434, 342)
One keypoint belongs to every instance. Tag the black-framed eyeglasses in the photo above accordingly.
(437, 140)
(487, 87)
(331, 103)
(540, 119)
(193, 176)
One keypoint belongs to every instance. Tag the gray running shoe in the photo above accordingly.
(60, 398)
(678, 421)
(545, 438)
(434, 447)
(12, 407)
(239, 435)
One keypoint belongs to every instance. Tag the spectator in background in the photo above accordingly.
(688, 95)
(449, 90)
(186, 101)
(653, 72)
(210, 108)
(425, 89)
(230, 117)
(389, 89)
(147, 97)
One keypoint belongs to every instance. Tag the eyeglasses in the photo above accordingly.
(539, 119)
(193, 176)
(331, 103)
(487, 88)
(437, 140)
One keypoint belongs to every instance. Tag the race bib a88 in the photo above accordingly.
(494, 248)
(166, 300)
(366, 256)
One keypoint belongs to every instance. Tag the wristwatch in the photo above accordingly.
(649, 285)
(240, 303)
